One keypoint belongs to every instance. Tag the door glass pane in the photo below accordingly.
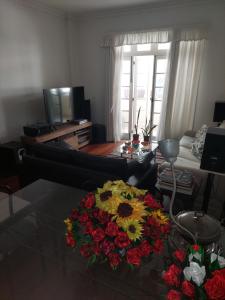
(125, 91)
(141, 93)
(164, 46)
(126, 67)
(157, 106)
(144, 47)
(125, 80)
(156, 119)
(125, 105)
(155, 131)
(125, 127)
(125, 116)
(126, 48)
(160, 80)
(161, 65)
(158, 93)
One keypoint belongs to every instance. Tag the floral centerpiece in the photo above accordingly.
(196, 275)
(119, 223)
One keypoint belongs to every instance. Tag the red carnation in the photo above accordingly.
(107, 247)
(89, 227)
(171, 276)
(89, 200)
(145, 248)
(165, 228)
(151, 202)
(84, 218)
(95, 213)
(196, 247)
(188, 289)
(215, 287)
(158, 246)
(70, 240)
(112, 229)
(122, 240)
(114, 259)
(96, 249)
(103, 217)
(180, 255)
(98, 234)
(173, 295)
(134, 256)
(85, 250)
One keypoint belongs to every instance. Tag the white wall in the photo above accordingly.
(33, 55)
(91, 30)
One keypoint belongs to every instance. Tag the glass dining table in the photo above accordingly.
(35, 262)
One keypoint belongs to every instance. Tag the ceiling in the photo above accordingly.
(83, 6)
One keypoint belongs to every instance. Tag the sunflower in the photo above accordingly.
(159, 216)
(69, 225)
(130, 210)
(125, 190)
(107, 200)
(133, 229)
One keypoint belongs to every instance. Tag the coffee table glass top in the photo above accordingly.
(35, 262)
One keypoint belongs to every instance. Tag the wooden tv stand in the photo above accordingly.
(77, 136)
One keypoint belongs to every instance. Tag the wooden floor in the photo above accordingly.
(101, 149)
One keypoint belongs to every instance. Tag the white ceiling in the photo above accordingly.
(83, 6)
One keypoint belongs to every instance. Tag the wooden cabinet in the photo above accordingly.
(77, 136)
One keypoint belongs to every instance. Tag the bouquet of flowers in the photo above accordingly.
(196, 275)
(119, 223)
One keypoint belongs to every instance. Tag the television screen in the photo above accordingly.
(58, 105)
(219, 112)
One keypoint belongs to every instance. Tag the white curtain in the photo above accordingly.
(113, 117)
(184, 87)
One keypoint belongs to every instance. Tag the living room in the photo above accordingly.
(49, 43)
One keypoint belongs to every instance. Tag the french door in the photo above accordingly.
(142, 86)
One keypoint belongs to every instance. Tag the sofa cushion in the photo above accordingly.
(198, 145)
(50, 152)
(186, 153)
(116, 166)
(187, 141)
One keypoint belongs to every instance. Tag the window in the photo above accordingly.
(142, 85)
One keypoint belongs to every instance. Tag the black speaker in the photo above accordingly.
(98, 134)
(213, 157)
(78, 99)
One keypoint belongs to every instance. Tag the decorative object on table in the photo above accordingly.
(119, 223)
(196, 274)
(147, 131)
(136, 135)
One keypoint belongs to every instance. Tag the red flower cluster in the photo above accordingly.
(101, 238)
(215, 287)
(173, 295)
(171, 276)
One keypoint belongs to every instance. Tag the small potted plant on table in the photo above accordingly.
(147, 131)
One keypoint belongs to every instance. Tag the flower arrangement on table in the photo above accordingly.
(196, 275)
(119, 223)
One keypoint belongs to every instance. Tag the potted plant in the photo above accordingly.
(147, 130)
(136, 135)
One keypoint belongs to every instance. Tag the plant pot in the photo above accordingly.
(135, 137)
(147, 138)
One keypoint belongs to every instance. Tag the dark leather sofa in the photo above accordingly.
(85, 171)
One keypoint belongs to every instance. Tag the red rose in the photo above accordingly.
(158, 246)
(95, 213)
(134, 256)
(173, 295)
(165, 228)
(74, 215)
(114, 259)
(196, 247)
(215, 287)
(84, 218)
(122, 240)
(96, 249)
(152, 222)
(171, 276)
(112, 229)
(89, 200)
(85, 250)
(180, 255)
(70, 240)
(107, 247)
(89, 227)
(188, 289)
(145, 248)
(103, 217)
(98, 234)
(151, 202)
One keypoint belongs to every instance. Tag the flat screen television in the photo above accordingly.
(219, 112)
(58, 105)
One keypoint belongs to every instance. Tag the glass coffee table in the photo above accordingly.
(35, 262)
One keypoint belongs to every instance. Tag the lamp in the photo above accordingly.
(169, 149)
